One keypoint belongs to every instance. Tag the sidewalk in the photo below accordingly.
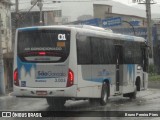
(7, 93)
(154, 84)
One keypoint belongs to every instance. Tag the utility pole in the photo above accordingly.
(2, 82)
(149, 27)
(17, 13)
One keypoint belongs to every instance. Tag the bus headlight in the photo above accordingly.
(138, 67)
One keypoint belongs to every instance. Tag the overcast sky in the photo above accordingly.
(72, 9)
(124, 1)
(129, 2)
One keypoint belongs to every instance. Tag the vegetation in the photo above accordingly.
(153, 76)
(152, 70)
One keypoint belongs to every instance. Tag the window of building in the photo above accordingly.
(58, 13)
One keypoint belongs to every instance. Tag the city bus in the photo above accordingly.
(66, 62)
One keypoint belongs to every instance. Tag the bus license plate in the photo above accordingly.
(41, 92)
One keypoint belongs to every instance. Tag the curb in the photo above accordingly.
(154, 84)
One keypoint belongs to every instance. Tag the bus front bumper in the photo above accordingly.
(45, 92)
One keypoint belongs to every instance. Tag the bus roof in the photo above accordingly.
(89, 30)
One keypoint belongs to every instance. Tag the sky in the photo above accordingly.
(124, 1)
(129, 2)
(85, 8)
(155, 8)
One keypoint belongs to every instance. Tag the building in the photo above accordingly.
(6, 25)
(29, 15)
(137, 21)
(26, 18)
(130, 24)
(32, 18)
(100, 10)
(6, 33)
(127, 24)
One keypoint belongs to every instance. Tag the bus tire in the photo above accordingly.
(56, 103)
(138, 84)
(104, 94)
(133, 95)
(93, 101)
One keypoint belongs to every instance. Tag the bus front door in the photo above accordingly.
(119, 61)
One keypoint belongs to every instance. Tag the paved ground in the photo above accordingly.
(154, 84)
(148, 100)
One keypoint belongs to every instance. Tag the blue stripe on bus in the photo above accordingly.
(45, 77)
(99, 79)
(131, 71)
(27, 66)
(28, 29)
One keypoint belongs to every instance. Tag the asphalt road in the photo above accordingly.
(148, 100)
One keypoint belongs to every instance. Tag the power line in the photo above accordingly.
(22, 17)
(28, 12)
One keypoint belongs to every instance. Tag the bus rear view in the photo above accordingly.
(78, 62)
(41, 63)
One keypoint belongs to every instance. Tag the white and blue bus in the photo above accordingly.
(78, 62)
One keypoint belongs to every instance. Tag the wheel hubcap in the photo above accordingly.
(105, 96)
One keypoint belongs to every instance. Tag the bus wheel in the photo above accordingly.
(104, 94)
(138, 84)
(133, 95)
(56, 103)
(93, 101)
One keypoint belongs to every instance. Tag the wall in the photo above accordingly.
(6, 26)
(101, 10)
(6, 39)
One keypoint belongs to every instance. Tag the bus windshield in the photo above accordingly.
(43, 45)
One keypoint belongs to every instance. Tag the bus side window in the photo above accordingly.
(83, 50)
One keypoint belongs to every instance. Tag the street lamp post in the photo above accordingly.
(131, 26)
(40, 5)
